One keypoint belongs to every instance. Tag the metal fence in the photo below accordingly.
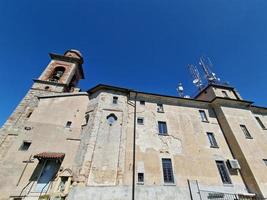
(211, 195)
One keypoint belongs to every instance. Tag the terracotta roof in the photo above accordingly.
(49, 155)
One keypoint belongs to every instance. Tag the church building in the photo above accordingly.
(114, 143)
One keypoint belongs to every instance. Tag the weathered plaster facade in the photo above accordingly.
(106, 143)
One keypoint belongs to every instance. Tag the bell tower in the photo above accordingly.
(62, 74)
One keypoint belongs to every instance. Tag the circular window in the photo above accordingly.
(111, 119)
(47, 87)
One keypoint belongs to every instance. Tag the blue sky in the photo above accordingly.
(141, 44)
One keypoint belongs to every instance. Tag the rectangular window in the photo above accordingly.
(213, 142)
(160, 107)
(25, 146)
(115, 100)
(265, 161)
(47, 173)
(223, 172)
(162, 128)
(63, 182)
(225, 94)
(260, 123)
(86, 118)
(245, 131)
(140, 120)
(142, 103)
(140, 177)
(68, 124)
(29, 114)
(167, 170)
(203, 116)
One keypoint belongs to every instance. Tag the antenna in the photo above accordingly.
(196, 76)
(180, 90)
(206, 65)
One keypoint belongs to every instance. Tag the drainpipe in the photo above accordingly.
(134, 137)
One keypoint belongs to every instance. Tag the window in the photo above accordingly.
(260, 123)
(111, 119)
(140, 120)
(29, 114)
(245, 131)
(57, 74)
(47, 174)
(160, 107)
(162, 128)
(212, 140)
(225, 94)
(223, 172)
(140, 177)
(167, 170)
(142, 103)
(62, 184)
(86, 118)
(68, 124)
(203, 116)
(115, 100)
(265, 161)
(25, 146)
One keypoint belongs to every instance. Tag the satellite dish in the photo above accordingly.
(180, 89)
(195, 81)
(211, 78)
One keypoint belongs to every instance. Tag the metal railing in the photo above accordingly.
(212, 195)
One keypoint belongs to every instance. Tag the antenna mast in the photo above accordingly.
(206, 65)
(196, 76)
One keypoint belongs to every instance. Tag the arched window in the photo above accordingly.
(111, 119)
(57, 74)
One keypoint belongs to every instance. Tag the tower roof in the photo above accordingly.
(70, 53)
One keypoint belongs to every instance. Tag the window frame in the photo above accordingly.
(225, 94)
(87, 117)
(111, 119)
(162, 130)
(115, 100)
(142, 102)
(142, 176)
(140, 118)
(204, 117)
(62, 184)
(260, 123)
(160, 108)
(53, 76)
(29, 114)
(224, 174)
(212, 140)
(41, 172)
(21, 148)
(167, 171)
(68, 124)
(245, 131)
